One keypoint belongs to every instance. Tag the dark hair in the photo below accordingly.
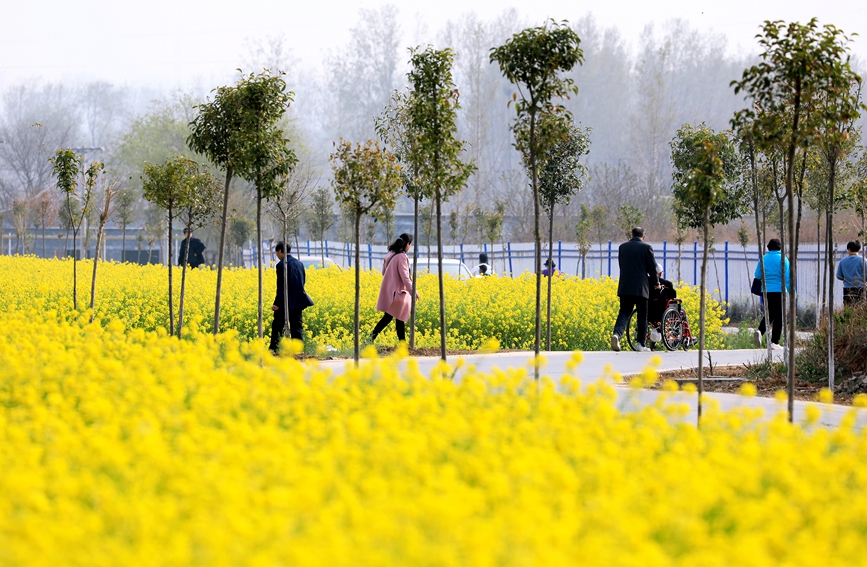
(854, 246)
(551, 263)
(280, 247)
(401, 243)
(483, 268)
(186, 230)
(637, 232)
(483, 258)
(774, 244)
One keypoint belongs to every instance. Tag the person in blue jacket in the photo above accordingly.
(774, 285)
(850, 271)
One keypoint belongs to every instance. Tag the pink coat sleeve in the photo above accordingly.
(394, 294)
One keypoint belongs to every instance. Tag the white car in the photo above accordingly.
(316, 262)
(454, 268)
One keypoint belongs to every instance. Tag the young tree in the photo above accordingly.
(166, 187)
(704, 185)
(628, 217)
(67, 169)
(19, 219)
(799, 63)
(836, 140)
(599, 220)
(534, 60)
(395, 128)
(561, 176)
(125, 211)
(45, 210)
(686, 148)
(270, 157)
(706, 193)
(743, 240)
(582, 237)
(436, 150)
(321, 216)
(240, 232)
(199, 202)
(238, 132)
(365, 179)
(104, 212)
(286, 208)
(494, 227)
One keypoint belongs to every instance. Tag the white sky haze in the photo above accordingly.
(167, 43)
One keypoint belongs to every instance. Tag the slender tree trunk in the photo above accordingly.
(790, 171)
(259, 255)
(440, 266)
(537, 240)
(221, 252)
(171, 275)
(831, 260)
(747, 264)
(550, 273)
(760, 236)
(183, 281)
(75, 270)
(357, 282)
(123, 243)
(414, 271)
(820, 271)
(285, 278)
(702, 311)
(74, 253)
(783, 251)
(93, 278)
(43, 239)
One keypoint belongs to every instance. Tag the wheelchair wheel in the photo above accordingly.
(631, 333)
(672, 329)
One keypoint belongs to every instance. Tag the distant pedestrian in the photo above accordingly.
(850, 271)
(291, 303)
(773, 281)
(483, 266)
(394, 299)
(197, 258)
(637, 277)
(550, 269)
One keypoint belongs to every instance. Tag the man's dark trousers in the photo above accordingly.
(627, 304)
(296, 329)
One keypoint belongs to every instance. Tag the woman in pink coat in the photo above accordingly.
(395, 300)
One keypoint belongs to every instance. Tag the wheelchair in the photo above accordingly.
(673, 327)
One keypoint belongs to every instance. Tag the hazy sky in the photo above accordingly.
(166, 43)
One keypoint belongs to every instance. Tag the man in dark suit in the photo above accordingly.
(637, 276)
(298, 300)
(196, 249)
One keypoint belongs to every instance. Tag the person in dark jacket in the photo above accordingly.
(197, 258)
(659, 296)
(298, 300)
(637, 277)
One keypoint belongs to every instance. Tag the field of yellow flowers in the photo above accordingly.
(583, 311)
(120, 446)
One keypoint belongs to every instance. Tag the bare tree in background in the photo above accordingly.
(103, 106)
(361, 76)
(36, 120)
(653, 127)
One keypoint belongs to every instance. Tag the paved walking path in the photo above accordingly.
(627, 363)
